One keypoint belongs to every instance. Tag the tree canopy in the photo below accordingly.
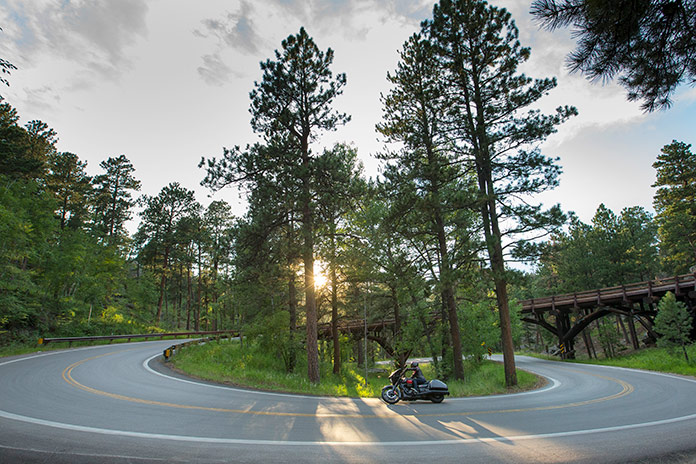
(650, 45)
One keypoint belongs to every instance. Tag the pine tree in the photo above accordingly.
(291, 107)
(479, 49)
(157, 230)
(673, 323)
(113, 197)
(649, 44)
(433, 194)
(675, 204)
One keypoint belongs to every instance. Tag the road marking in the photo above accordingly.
(186, 438)
(67, 376)
(240, 441)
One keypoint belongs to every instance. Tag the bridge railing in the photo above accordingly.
(129, 337)
(626, 292)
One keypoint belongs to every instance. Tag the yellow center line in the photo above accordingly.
(67, 376)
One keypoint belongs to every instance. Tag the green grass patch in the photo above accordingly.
(654, 359)
(227, 362)
(17, 349)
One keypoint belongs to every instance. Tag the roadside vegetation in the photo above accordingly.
(231, 363)
(653, 359)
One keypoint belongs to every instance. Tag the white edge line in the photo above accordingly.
(240, 441)
(642, 371)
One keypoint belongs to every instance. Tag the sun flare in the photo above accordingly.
(320, 278)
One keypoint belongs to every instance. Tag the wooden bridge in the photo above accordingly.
(573, 312)
(567, 315)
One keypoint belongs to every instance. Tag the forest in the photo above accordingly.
(445, 241)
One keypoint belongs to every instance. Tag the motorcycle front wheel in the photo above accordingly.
(390, 395)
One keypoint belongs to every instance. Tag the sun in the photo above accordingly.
(320, 278)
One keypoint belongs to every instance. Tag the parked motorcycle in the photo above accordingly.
(405, 389)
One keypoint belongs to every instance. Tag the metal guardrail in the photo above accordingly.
(129, 337)
(172, 350)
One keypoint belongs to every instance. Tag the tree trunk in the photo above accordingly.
(189, 296)
(360, 345)
(197, 321)
(495, 253)
(334, 316)
(448, 299)
(163, 282)
(308, 258)
(476, 129)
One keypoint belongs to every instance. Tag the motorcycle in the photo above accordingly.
(405, 389)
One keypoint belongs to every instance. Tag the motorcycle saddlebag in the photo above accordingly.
(438, 386)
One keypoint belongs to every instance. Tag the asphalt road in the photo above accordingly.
(118, 404)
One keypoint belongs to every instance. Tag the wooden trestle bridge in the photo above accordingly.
(567, 315)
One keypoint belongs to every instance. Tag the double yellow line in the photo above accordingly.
(67, 376)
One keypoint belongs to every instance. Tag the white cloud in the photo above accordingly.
(214, 71)
(92, 34)
(168, 82)
(235, 30)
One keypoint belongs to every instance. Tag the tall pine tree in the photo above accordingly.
(480, 53)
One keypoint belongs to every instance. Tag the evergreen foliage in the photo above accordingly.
(649, 44)
(426, 246)
(291, 107)
(496, 133)
(612, 250)
(673, 323)
(675, 204)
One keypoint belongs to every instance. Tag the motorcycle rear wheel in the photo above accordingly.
(390, 395)
(437, 398)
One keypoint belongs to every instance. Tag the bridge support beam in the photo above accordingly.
(566, 344)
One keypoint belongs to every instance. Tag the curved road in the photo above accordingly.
(117, 404)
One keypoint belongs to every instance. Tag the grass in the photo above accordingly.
(654, 359)
(227, 362)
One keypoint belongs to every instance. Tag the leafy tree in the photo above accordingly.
(217, 223)
(649, 44)
(612, 250)
(673, 323)
(478, 47)
(27, 227)
(380, 259)
(638, 232)
(42, 141)
(113, 197)
(675, 204)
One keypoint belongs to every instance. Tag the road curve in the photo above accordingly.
(116, 404)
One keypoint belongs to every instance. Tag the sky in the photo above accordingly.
(166, 82)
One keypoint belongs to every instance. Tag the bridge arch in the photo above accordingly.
(573, 312)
